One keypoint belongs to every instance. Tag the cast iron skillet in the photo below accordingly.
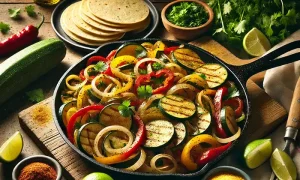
(237, 74)
(55, 22)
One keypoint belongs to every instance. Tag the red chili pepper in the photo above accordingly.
(221, 92)
(145, 79)
(111, 55)
(211, 154)
(237, 104)
(20, 40)
(170, 49)
(79, 113)
(94, 59)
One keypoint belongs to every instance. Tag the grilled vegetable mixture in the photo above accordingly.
(152, 108)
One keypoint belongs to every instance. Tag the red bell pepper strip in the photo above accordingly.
(139, 140)
(108, 71)
(170, 49)
(96, 59)
(145, 79)
(237, 104)
(111, 55)
(211, 154)
(167, 83)
(79, 113)
(221, 92)
(20, 40)
(81, 75)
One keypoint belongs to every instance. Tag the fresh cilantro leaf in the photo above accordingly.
(227, 8)
(144, 91)
(240, 27)
(157, 66)
(140, 52)
(125, 109)
(232, 92)
(142, 71)
(36, 95)
(203, 76)
(101, 66)
(14, 13)
(4, 28)
(30, 10)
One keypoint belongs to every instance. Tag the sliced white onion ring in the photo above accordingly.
(104, 94)
(138, 163)
(85, 72)
(147, 103)
(161, 170)
(184, 87)
(229, 139)
(77, 86)
(104, 131)
(136, 67)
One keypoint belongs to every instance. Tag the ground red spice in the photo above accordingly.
(38, 171)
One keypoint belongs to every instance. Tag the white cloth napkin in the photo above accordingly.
(280, 82)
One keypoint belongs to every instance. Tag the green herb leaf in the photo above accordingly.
(36, 95)
(101, 84)
(30, 11)
(4, 28)
(14, 13)
(227, 8)
(157, 66)
(140, 52)
(144, 91)
(203, 76)
(101, 66)
(158, 81)
(142, 71)
(125, 109)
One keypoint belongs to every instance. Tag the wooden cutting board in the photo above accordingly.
(38, 122)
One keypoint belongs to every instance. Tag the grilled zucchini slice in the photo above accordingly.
(110, 116)
(201, 122)
(132, 49)
(64, 109)
(180, 134)
(215, 74)
(177, 107)
(228, 120)
(158, 133)
(187, 58)
(114, 140)
(86, 136)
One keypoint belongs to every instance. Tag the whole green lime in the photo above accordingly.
(97, 176)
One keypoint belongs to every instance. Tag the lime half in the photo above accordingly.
(257, 152)
(97, 176)
(283, 166)
(12, 148)
(256, 43)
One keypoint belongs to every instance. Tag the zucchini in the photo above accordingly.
(62, 111)
(228, 120)
(110, 116)
(177, 107)
(132, 49)
(29, 64)
(86, 136)
(158, 133)
(180, 134)
(187, 58)
(215, 74)
(202, 121)
(114, 140)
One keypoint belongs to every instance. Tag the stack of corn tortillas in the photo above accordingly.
(94, 22)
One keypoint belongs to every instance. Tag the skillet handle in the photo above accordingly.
(270, 60)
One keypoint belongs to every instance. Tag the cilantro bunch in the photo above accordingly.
(277, 19)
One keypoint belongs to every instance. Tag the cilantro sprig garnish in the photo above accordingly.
(101, 66)
(4, 28)
(30, 10)
(36, 95)
(14, 13)
(144, 91)
(157, 66)
(125, 109)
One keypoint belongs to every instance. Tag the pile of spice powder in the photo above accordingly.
(38, 171)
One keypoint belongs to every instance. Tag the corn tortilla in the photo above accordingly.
(119, 11)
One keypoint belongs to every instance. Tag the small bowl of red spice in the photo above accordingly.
(38, 167)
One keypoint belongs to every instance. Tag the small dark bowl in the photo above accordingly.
(227, 169)
(37, 158)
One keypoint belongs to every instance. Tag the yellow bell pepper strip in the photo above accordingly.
(186, 158)
(139, 140)
(82, 96)
(80, 113)
(158, 46)
(211, 154)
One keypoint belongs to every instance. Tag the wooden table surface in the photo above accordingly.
(9, 111)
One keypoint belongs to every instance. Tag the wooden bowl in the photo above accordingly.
(187, 33)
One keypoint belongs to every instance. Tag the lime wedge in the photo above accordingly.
(97, 176)
(256, 43)
(12, 148)
(257, 152)
(283, 166)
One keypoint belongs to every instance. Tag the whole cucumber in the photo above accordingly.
(29, 64)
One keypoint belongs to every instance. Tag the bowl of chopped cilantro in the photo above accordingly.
(187, 19)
